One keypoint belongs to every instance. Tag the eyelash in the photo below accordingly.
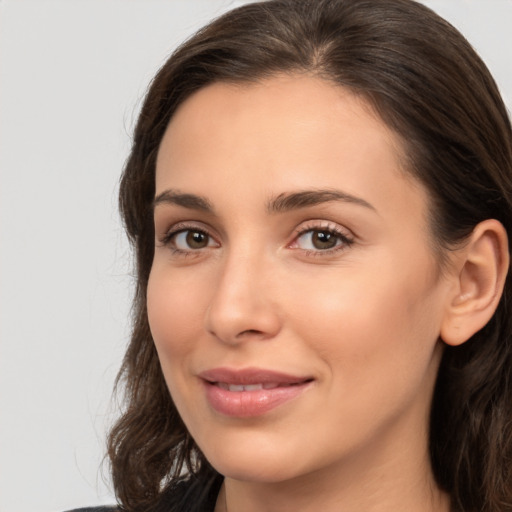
(345, 239)
(167, 239)
(318, 227)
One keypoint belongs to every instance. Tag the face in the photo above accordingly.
(294, 298)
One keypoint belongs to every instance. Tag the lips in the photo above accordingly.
(252, 391)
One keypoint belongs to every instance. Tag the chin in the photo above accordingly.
(267, 472)
(255, 461)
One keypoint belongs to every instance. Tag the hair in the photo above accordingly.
(430, 87)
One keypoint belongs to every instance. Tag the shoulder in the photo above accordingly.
(194, 494)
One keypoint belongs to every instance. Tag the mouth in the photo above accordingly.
(250, 392)
(250, 387)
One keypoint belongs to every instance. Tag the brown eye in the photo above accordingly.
(324, 239)
(197, 239)
(321, 240)
(190, 239)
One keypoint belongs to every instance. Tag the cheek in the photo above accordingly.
(376, 341)
(175, 307)
(175, 317)
(383, 323)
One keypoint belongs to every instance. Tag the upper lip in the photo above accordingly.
(248, 376)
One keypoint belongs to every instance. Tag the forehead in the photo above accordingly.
(283, 129)
(300, 100)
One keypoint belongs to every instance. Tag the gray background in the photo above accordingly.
(72, 74)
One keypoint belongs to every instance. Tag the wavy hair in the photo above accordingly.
(430, 87)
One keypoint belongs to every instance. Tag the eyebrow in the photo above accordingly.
(296, 200)
(190, 201)
(282, 203)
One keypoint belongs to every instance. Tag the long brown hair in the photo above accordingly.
(426, 82)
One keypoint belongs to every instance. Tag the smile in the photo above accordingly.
(250, 392)
(250, 387)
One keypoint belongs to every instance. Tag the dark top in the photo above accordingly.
(94, 509)
(192, 495)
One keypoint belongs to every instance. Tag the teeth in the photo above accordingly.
(235, 387)
(248, 387)
(253, 387)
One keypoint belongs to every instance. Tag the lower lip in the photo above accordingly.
(247, 404)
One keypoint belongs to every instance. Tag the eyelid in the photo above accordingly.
(345, 235)
(179, 227)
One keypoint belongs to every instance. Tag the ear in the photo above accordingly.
(481, 267)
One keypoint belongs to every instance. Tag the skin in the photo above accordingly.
(362, 318)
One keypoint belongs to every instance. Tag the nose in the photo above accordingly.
(243, 306)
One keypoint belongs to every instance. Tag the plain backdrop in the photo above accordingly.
(72, 75)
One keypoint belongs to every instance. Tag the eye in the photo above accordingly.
(320, 239)
(192, 239)
(184, 239)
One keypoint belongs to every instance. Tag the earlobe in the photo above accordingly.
(481, 269)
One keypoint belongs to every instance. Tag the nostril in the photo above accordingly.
(250, 331)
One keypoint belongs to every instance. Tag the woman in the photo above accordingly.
(319, 196)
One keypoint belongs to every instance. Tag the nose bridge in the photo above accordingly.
(242, 305)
